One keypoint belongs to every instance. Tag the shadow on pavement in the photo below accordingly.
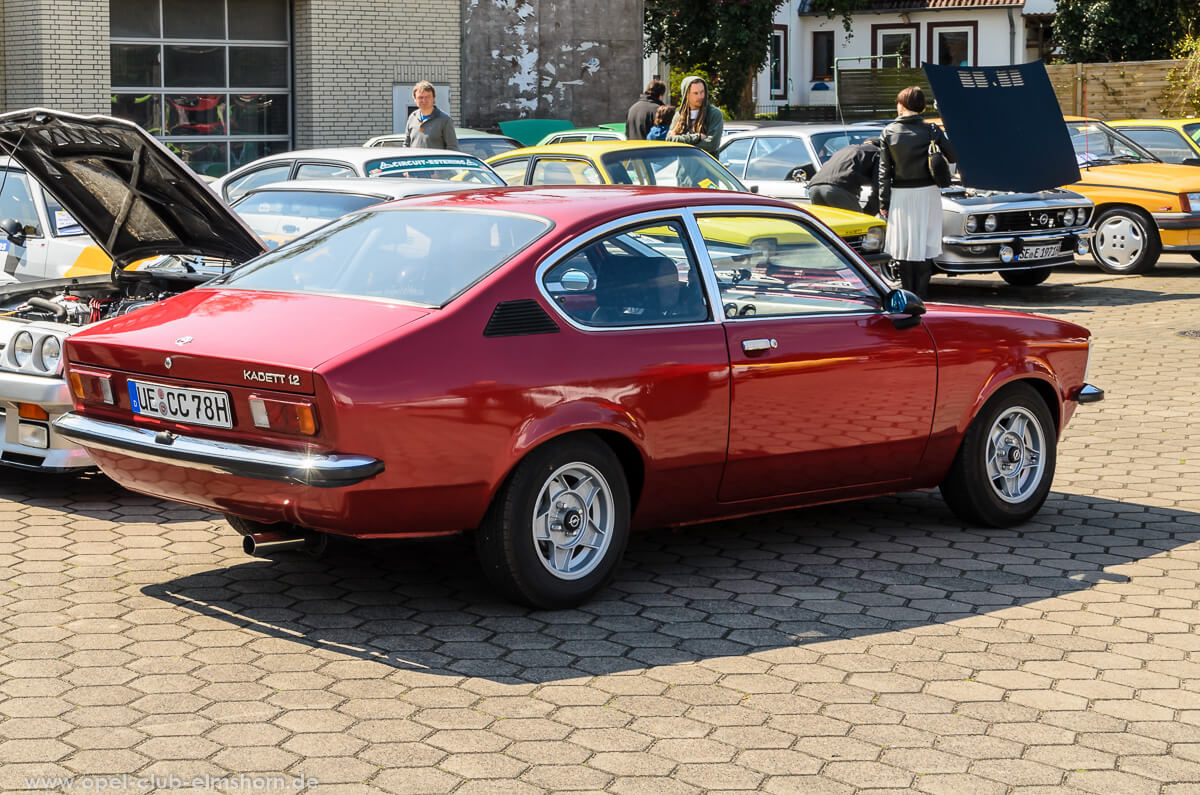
(725, 589)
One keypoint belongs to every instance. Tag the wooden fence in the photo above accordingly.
(1125, 90)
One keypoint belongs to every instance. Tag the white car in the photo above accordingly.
(40, 240)
(357, 161)
(36, 317)
(474, 142)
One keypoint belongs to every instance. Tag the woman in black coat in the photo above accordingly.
(908, 197)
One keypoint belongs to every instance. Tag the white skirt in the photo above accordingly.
(914, 223)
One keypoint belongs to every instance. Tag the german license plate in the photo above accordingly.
(1040, 252)
(194, 406)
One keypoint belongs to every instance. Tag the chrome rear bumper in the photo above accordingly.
(247, 461)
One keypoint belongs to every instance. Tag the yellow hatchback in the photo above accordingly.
(664, 164)
(1170, 140)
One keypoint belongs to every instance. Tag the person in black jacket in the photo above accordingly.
(840, 181)
(640, 118)
(908, 197)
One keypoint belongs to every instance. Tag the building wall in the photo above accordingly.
(56, 55)
(349, 53)
(579, 60)
(993, 39)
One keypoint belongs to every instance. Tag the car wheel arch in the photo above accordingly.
(1042, 382)
(619, 434)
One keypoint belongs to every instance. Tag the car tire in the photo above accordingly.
(1126, 241)
(558, 527)
(1005, 464)
(1029, 278)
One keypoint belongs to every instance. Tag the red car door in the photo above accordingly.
(826, 392)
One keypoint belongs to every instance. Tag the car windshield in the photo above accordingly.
(1098, 144)
(455, 169)
(420, 256)
(672, 166)
(828, 143)
(1192, 131)
(277, 216)
(483, 148)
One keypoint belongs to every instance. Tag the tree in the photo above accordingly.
(843, 8)
(1119, 30)
(725, 39)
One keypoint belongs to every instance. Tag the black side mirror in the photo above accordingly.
(14, 231)
(1190, 161)
(754, 189)
(904, 308)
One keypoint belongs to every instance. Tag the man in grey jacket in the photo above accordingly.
(428, 127)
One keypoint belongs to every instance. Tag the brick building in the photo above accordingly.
(224, 82)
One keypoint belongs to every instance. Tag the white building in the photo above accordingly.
(805, 45)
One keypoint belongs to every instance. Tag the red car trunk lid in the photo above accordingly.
(237, 337)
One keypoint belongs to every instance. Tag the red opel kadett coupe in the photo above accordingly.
(553, 367)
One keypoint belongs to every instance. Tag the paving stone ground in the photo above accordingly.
(877, 646)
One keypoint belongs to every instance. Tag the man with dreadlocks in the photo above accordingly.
(697, 122)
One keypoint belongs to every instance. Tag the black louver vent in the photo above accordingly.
(516, 318)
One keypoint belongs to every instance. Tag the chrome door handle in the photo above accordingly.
(758, 346)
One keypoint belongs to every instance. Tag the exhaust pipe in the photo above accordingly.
(264, 545)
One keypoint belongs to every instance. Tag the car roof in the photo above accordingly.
(359, 155)
(385, 189)
(587, 148)
(459, 132)
(573, 205)
(1173, 123)
(801, 129)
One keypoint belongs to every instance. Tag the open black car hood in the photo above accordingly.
(128, 191)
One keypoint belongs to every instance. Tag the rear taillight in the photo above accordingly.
(287, 416)
(91, 387)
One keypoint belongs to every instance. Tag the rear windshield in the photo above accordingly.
(672, 166)
(456, 169)
(418, 256)
(309, 205)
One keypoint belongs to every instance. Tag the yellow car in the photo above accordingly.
(1143, 205)
(1170, 140)
(666, 164)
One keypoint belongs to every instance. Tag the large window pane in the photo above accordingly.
(259, 20)
(188, 65)
(243, 152)
(259, 114)
(204, 158)
(196, 114)
(141, 109)
(258, 67)
(134, 18)
(194, 19)
(136, 65)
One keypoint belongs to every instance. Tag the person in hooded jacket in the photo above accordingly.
(640, 117)
(908, 197)
(697, 122)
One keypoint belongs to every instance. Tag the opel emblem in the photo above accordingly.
(168, 363)
(1043, 219)
(183, 340)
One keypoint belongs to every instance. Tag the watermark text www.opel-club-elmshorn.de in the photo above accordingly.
(168, 781)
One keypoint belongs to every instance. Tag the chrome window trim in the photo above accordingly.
(679, 215)
(853, 259)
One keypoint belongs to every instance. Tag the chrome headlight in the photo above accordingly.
(990, 223)
(50, 352)
(1068, 217)
(972, 223)
(873, 240)
(22, 348)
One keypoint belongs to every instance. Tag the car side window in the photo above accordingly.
(61, 222)
(16, 203)
(734, 155)
(323, 171)
(512, 171)
(1167, 144)
(240, 186)
(774, 158)
(769, 266)
(547, 171)
(638, 277)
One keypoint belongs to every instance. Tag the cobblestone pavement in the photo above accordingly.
(874, 646)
